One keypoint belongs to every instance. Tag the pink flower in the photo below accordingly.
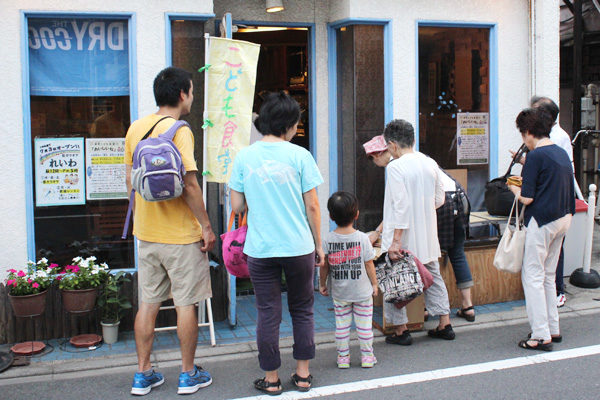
(12, 271)
(11, 282)
(35, 285)
(51, 266)
(72, 268)
(20, 274)
(59, 277)
(28, 280)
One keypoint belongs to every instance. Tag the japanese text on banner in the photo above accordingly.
(231, 79)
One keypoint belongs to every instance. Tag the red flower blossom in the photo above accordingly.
(12, 271)
(20, 274)
(11, 282)
(59, 277)
(28, 280)
(35, 285)
(52, 266)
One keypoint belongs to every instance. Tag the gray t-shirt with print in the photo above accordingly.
(346, 255)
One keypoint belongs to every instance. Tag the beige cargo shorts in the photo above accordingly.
(180, 271)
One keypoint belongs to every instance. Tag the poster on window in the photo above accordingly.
(78, 57)
(59, 179)
(228, 113)
(472, 138)
(105, 169)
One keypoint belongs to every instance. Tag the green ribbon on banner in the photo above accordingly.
(207, 66)
(204, 173)
(207, 124)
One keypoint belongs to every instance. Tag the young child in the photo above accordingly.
(349, 275)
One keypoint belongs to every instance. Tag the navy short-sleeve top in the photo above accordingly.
(548, 179)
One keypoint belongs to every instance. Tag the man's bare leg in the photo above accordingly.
(187, 331)
(145, 320)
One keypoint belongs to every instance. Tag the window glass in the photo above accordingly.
(79, 101)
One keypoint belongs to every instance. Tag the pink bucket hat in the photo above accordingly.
(375, 145)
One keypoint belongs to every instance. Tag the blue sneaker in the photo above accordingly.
(191, 384)
(143, 384)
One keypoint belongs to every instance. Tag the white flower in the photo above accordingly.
(77, 260)
(41, 274)
(94, 271)
(104, 265)
(30, 263)
(48, 270)
(43, 260)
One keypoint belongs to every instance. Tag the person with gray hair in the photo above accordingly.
(413, 192)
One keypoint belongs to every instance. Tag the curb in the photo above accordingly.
(65, 369)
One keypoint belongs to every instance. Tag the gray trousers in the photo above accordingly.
(436, 299)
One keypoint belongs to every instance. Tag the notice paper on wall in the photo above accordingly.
(105, 169)
(59, 178)
(472, 138)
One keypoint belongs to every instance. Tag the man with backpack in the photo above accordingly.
(172, 227)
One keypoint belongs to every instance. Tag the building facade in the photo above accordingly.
(76, 74)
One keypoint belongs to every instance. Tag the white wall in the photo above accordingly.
(150, 35)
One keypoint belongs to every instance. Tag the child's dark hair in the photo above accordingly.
(343, 207)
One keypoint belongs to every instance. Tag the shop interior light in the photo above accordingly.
(274, 6)
(250, 29)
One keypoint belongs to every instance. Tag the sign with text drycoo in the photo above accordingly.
(59, 179)
(231, 78)
(105, 169)
(472, 138)
(78, 57)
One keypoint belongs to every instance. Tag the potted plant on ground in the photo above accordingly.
(112, 303)
(79, 284)
(27, 290)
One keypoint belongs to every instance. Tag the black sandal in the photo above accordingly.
(524, 344)
(263, 385)
(462, 314)
(297, 378)
(555, 339)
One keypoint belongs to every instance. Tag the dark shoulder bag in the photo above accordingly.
(498, 198)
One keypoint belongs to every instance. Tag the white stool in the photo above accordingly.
(201, 320)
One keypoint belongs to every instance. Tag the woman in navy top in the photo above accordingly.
(547, 191)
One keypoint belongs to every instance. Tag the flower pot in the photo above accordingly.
(110, 332)
(30, 305)
(79, 301)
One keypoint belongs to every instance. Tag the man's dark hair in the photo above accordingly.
(278, 114)
(536, 121)
(168, 85)
(546, 104)
(343, 207)
(401, 132)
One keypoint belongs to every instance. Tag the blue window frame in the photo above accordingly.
(26, 17)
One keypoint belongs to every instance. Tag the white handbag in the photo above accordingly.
(509, 254)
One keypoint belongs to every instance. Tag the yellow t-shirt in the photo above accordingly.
(168, 221)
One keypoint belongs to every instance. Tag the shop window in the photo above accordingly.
(79, 102)
(361, 116)
(454, 106)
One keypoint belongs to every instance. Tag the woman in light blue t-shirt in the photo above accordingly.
(277, 180)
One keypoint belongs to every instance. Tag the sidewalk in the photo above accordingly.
(234, 342)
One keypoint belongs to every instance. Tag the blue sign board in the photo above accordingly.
(78, 57)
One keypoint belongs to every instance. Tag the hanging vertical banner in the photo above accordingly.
(59, 179)
(228, 115)
(472, 138)
(105, 169)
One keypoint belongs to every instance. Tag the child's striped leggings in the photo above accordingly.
(363, 318)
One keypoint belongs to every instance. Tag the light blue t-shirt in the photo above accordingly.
(273, 177)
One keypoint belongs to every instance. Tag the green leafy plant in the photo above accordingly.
(112, 301)
(83, 274)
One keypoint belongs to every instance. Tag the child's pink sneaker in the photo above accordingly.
(343, 362)
(368, 361)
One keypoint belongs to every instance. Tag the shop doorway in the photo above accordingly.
(283, 64)
(454, 102)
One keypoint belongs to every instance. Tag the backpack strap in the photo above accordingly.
(129, 212)
(170, 133)
(153, 126)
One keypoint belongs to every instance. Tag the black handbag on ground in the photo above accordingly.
(498, 198)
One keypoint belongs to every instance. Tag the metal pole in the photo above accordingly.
(577, 77)
(589, 229)
(204, 116)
